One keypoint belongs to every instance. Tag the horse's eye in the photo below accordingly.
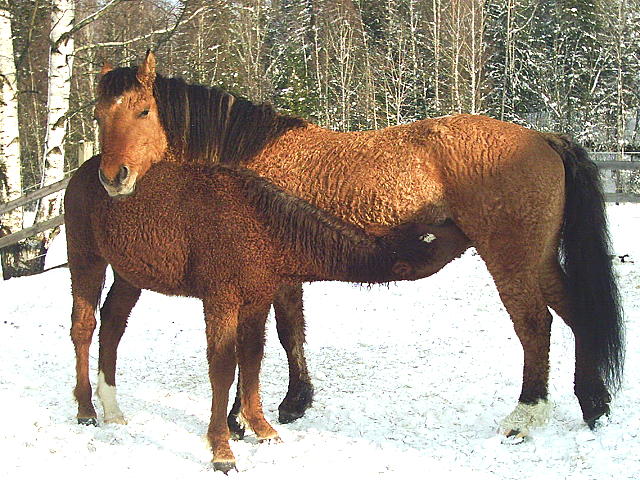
(143, 113)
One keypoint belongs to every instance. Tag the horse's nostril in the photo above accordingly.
(102, 178)
(123, 173)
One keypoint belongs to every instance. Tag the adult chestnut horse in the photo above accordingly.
(231, 239)
(529, 202)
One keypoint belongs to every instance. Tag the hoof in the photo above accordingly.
(274, 439)
(236, 428)
(288, 416)
(293, 407)
(88, 421)
(119, 420)
(224, 466)
(594, 408)
(593, 421)
(526, 416)
(514, 437)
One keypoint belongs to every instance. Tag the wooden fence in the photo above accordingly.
(613, 161)
(85, 151)
(39, 227)
(615, 165)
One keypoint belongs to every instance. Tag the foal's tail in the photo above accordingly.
(585, 253)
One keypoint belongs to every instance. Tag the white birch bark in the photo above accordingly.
(620, 48)
(11, 187)
(437, 54)
(59, 88)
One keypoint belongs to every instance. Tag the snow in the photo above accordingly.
(411, 380)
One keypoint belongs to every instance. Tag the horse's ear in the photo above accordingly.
(147, 70)
(106, 68)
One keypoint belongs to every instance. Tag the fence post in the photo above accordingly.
(85, 152)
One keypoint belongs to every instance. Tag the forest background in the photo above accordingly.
(555, 65)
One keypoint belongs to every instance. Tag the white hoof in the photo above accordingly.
(518, 423)
(117, 419)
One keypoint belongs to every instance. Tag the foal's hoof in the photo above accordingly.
(295, 405)
(272, 439)
(224, 466)
(88, 421)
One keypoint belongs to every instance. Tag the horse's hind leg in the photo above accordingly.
(87, 277)
(234, 420)
(120, 300)
(589, 386)
(520, 292)
(249, 352)
(290, 324)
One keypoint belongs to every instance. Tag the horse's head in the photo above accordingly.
(132, 137)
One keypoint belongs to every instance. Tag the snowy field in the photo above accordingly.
(411, 380)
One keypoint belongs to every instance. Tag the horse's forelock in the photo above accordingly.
(118, 81)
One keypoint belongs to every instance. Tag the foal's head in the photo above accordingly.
(131, 135)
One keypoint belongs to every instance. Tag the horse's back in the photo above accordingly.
(455, 167)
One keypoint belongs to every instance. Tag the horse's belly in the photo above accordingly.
(152, 275)
(147, 261)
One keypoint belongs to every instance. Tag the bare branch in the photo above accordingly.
(164, 31)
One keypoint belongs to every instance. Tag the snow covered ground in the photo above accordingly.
(411, 380)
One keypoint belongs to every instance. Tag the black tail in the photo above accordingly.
(587, 262)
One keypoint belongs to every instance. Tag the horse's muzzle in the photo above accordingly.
(122, 185)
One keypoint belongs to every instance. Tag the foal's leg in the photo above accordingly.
(221, 318)
(120, 300)
(249, 351)
(589, 387)
(87, 277)
(290, 324)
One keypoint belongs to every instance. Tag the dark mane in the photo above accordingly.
(338, 246)
(206, 124)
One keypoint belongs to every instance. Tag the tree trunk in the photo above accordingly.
(10, 175)
(59, 88)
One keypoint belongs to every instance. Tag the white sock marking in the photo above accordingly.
(526, 417)
(107, 396)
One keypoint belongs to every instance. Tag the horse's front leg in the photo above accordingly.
(249, 351)
(120, 300)
(290, 323)
(87, 277)
(221, 319)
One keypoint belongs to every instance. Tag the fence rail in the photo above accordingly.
(14, 238)
(32, 196)
(617, 165)
(59, 220)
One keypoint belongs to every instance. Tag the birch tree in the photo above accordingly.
(61, 55)
(9, 129)
(58, 92)
(10, 174)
